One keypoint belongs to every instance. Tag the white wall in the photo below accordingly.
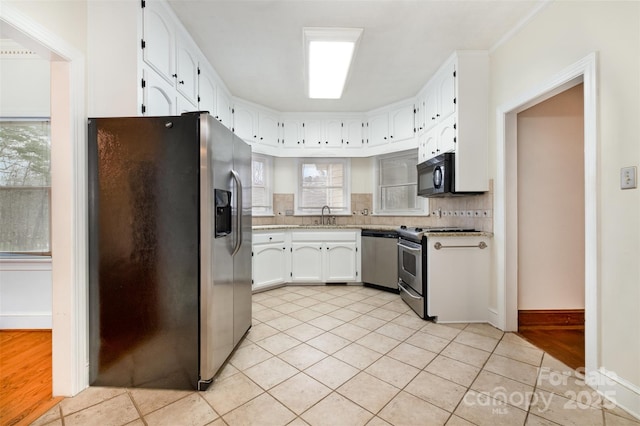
(560, 35)
(25, 285)
(551, 203)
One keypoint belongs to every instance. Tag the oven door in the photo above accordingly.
(410, 265)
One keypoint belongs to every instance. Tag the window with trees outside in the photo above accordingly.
(397, 186)
(25, 186)
(323, 182)
(261, 186)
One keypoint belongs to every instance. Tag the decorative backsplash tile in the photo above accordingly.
(475, 211)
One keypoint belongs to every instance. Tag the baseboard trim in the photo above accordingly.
(551, 319)
(26, 322)
(623, 393)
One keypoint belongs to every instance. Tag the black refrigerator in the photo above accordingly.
(169, 249)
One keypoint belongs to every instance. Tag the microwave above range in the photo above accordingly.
(436, 177)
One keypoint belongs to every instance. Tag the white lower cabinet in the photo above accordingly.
(304, 256)
(340, 262)
(271, 259)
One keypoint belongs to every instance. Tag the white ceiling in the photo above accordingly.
(256, 46)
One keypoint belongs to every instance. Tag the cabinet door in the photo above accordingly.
(431, 143)
(292, 133)
(332, 133)
(223, 108)
(313, 133)
(402, 124)
(378, 129)
(353, 133)
(158, 96)
(245, 123)
(184, 105)
(447, 91)
(420, 114)
(269, 264)
(207, 88)
(269, 127)
(186, 70)
(422, 148)
(340, 262)
(431, 114)
(306, 262)
(447, 135)
(159, 38)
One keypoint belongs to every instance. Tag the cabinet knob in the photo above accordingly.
(437, 115)
(181, 82)
(270, 238)
(385, 138)
(319, 142)
(261, 138)
(284, 248)
(326, 142)
(174, 75)
(391, 136)
(433, 118)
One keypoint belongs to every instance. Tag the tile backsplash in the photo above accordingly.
(475, 211)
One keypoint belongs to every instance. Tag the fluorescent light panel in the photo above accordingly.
(329, 52)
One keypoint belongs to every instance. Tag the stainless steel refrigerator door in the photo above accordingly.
(216, 273)
(242, 225)
(143, 252)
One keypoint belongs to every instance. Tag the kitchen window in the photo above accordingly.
(323, 182)
(396, 185)
(25, 186)
(261, 185)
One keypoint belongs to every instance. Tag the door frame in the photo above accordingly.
(506, 214)
(68, 198)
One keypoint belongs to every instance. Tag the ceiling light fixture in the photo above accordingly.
(328, 56)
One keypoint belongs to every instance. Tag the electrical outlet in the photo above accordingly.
(628, 177)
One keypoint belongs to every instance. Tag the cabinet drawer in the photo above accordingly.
(268, 237)
(324, 236)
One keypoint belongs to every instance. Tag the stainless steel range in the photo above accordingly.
(412, 265)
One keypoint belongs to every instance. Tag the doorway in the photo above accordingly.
(506, 197)
(550, 215)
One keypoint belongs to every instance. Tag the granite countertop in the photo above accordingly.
(380, 227)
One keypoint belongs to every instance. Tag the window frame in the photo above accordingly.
(346, 188)
(268, 209)
(31, 254)
(422, 203)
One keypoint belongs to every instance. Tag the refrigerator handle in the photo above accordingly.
(236, 177)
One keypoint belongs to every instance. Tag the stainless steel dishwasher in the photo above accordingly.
(380, 259)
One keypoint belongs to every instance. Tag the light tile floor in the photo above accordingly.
(351, 355)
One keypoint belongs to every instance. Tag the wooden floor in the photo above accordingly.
(567, 345)
(25, 376)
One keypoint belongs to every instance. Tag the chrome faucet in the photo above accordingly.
(322, 216)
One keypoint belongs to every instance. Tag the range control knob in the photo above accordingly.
(418, 229)
(403, 226)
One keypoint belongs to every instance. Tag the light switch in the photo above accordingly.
(628, 177)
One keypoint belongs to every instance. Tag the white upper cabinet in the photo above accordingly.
(292, 133)
(158, 95)
(255, 125)
(207, 87)
(378, 129)
(245, 122)
(269, 129)
(401, 123)
(158, 43)
(223, 109)
(394, 125)
(313, 133)
(353, 133)
(333, 133)
(187, 69)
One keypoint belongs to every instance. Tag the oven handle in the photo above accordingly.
(404, 246)
(401, 287)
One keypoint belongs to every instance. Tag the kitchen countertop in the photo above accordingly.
(360, 227)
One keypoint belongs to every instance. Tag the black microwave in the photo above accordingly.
(436, 177)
